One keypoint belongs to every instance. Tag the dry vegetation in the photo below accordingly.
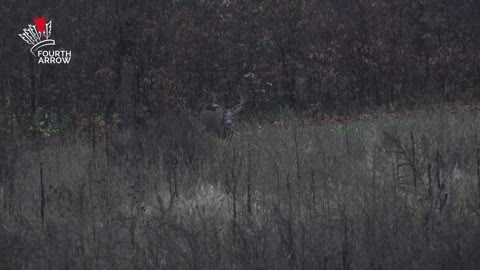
(376, 194)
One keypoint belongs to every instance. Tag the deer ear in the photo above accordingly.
(218, 108)
(237, 108)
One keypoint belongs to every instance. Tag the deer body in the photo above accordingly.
(220, 121)
(213, 122)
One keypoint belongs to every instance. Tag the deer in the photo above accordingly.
(220, 121)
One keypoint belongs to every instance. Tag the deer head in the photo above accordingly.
(220, 121)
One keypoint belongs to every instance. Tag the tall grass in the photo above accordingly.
(377, 194)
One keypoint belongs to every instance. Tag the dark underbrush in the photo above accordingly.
(376, 194)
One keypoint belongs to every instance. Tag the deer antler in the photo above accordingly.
(237, 108)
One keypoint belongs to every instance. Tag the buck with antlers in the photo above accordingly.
(220, 121)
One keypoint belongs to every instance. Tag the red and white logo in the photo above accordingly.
(38, 35)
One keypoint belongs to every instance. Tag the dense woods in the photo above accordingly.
(107, 162)
(131, 58)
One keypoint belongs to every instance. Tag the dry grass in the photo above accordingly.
(378, 194)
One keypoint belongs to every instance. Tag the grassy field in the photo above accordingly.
(390, 193)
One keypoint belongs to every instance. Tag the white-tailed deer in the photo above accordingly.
(220, 121)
